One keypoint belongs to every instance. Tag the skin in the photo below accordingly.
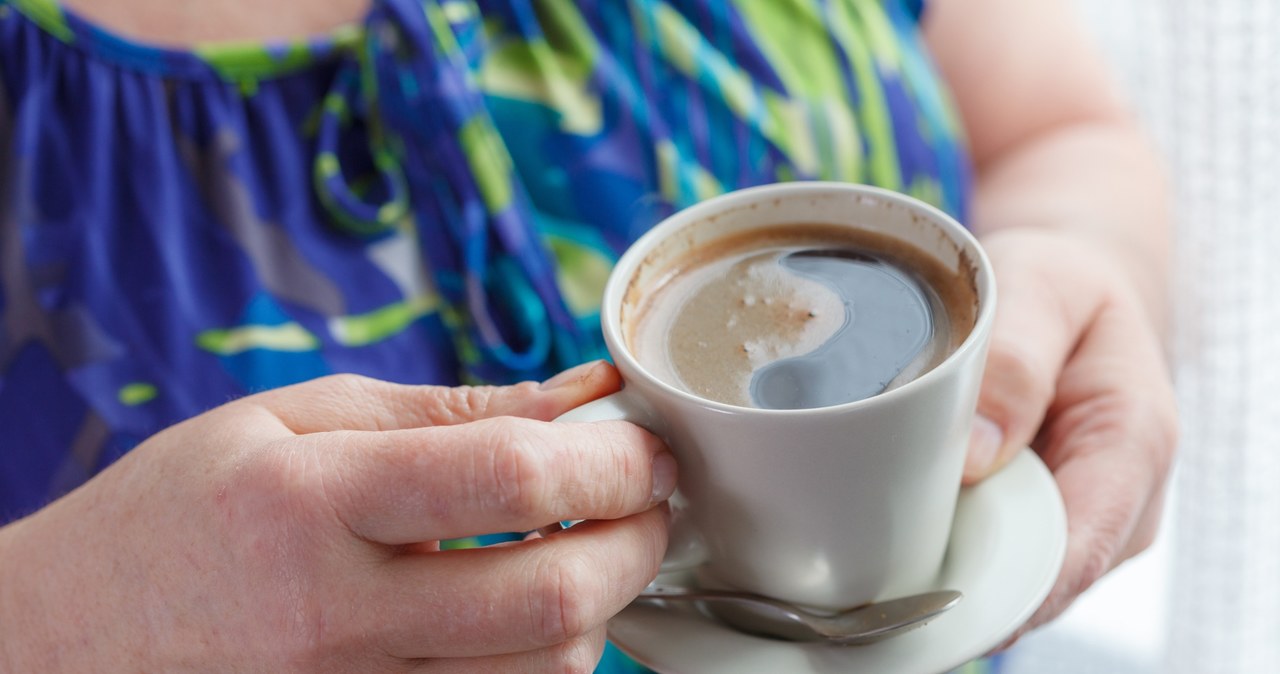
(297, 530)
(180, 23)
(1071, 207)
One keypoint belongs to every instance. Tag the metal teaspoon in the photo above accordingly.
(769, 617)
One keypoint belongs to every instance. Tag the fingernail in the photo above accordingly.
(984, 446)
(570, 376)
(664, 477)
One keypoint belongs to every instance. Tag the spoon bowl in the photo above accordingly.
(769, 617)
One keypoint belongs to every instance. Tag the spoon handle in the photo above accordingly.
(676, 591)
(656, 592)
(762, 615)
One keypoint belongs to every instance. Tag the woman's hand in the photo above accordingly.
(1076, 370)
(1072, 206)
(298, 530)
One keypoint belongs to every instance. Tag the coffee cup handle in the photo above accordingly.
(685, 548)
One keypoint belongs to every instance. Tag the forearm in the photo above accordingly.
(1099, 180)
(1054, 141)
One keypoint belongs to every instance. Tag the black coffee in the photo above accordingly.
(801, 316)
(888, 324)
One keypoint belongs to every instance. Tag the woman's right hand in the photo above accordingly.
(298, 530)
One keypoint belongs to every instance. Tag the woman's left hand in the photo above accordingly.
(1072, 206)
(1076, 370)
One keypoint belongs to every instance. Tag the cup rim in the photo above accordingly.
(629, 263)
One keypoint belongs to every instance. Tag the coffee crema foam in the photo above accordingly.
(741, 314)
(761, 320)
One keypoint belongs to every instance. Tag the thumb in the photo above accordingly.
(354, 402)
(1043, 310)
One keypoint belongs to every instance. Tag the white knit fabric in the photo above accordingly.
(1223, 133)
(1205, 76)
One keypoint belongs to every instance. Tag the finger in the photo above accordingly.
(581, 654)
(1044, 306)
(492, 475)
(1110, 446)
(524, 597)
(353, 402)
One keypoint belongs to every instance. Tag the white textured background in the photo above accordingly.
(1205, 76)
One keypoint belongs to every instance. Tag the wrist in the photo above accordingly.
(1100, 184)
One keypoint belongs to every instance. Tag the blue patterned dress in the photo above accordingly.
(435, 195)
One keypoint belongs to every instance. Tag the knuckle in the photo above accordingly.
(1016, 390)
(1153, 424)
(284, 473)
(517, 468)
(345, 486)
(346, 397)
(562, 599)
(1096, 562)
(1101, 541)
(579, 656)
(1058, 601)
(346, 383)
(1099, 424)
(1120, 420)
(621, 470)
(457, 404)
(1166, 435)
(1143, 538)
(1020, 379)
(656, 539)
(317, 497)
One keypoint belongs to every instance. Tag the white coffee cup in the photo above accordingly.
(830, 507)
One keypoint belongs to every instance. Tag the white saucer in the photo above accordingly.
(1007, 546)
